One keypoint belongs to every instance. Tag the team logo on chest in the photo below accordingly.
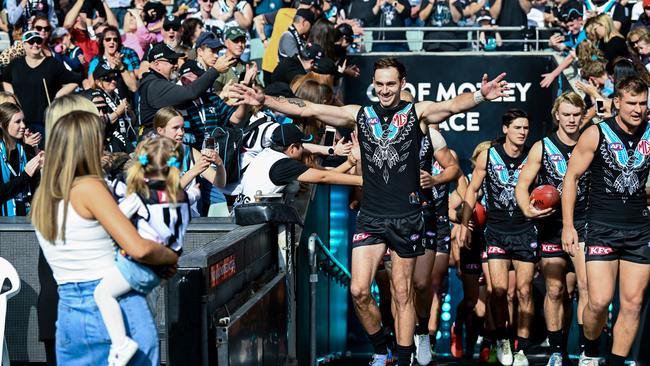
(644, 147)
(618, 159)
(386, 147)
(615, 146)
(504, 180)
(399, 119)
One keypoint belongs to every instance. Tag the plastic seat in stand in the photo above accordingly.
(9, 287)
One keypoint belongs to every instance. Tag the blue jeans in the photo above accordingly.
(139, 276)
(81, 337)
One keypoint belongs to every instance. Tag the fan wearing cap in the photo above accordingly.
(235, 13)
(293, 41)
(67, 52)
(158, 91)
(27, 77)
(270, 25)
(169, 35)
(280, 164)
(299, 64)
(208, 47)
(240, 71)
(206, 112)
(572, 16)
(279, 22)
(171, 31)
(121, 136)
(39, 24)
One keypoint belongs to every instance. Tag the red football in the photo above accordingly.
(479, 217)
(545, 196)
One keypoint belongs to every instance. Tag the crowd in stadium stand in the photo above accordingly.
(132, 59)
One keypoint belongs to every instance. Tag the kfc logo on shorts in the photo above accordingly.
(399, 120)
(360, 236)
(415, 237)
(644, 147)
(551, 248)
(616, 146)
(499, 167)
(495, 250)
(373, 121)
(600, 250)
(556, 157)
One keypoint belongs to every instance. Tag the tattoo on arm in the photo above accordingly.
(295, 101)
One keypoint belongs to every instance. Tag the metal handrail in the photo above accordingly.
(427, 29)
(321, 258)
(472, 33)
(329, 265)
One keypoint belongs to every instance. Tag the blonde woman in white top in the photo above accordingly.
(78, 246)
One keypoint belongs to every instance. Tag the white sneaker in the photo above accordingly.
(555, 360)
(379, 360)
(121, 356)
(588, 361)
(504, 353)
(520, 359)
(422, 349)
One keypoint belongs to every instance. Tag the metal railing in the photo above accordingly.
(320, 258)
(466, 35)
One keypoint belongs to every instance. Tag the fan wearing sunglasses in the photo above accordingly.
(157, 90)
(112, 53)
(39, 24)
(81, 29)
(36, 80)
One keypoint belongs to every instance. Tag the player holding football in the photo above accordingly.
(618, 232)
(546, 165)
(510, 237)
